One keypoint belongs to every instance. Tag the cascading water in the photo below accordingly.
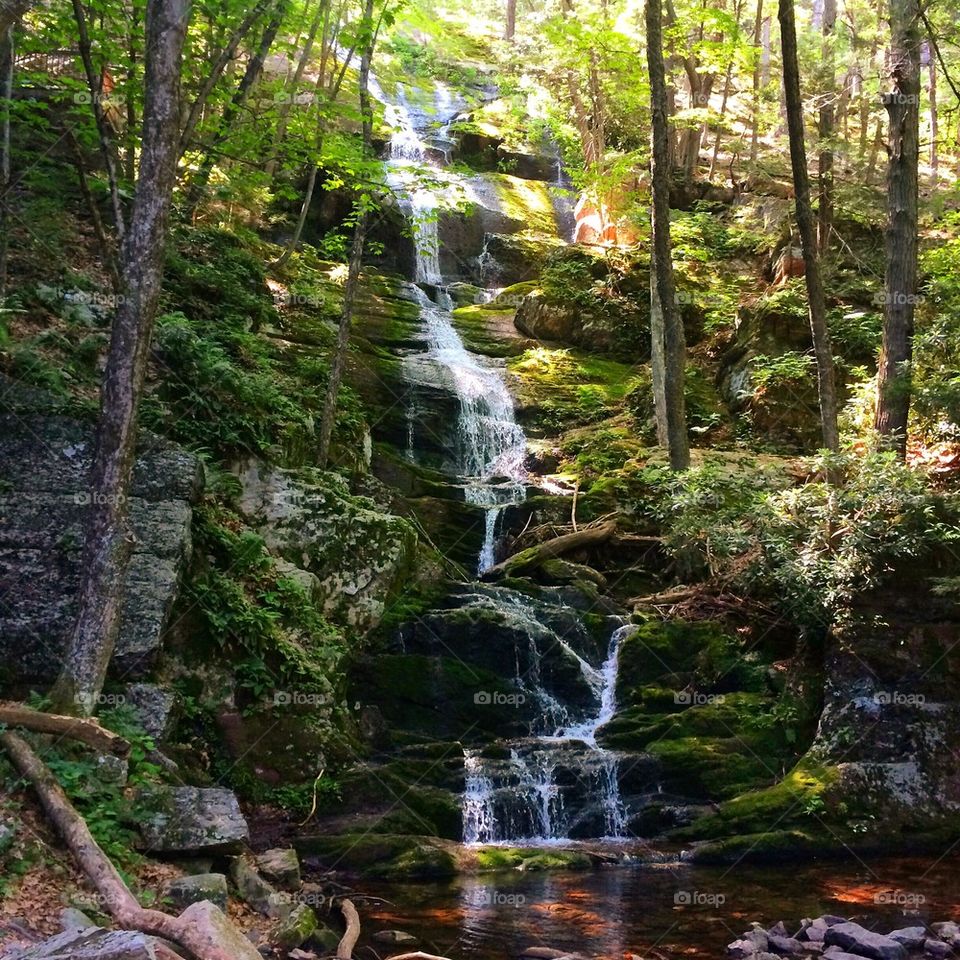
(490, 445)
(554, 782)
(558, 782)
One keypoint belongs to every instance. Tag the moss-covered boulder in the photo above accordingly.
(360, 555)
(386, 857)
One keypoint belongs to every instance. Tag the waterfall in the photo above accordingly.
(554, 782)
(490, 444)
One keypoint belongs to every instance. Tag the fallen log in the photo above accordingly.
(590, 536)
(666, 597)
(349, 940)
(86, 730)
(198, 938)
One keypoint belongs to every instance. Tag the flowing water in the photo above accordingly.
(558, 782)
(490, 444)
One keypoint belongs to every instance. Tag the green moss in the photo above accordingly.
(528, 201)
(492, 859)
(712, 767)
(799, 798)
(387, 857)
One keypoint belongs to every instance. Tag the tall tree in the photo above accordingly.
(900, 282)
(107, 544)
(805, 225)
(339, 359)
(510, 26)
(825, 128)
(668, 354)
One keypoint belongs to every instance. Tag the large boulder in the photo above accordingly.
(43, 506)
(212, 925)
(359, 554)
(182, 891)
(192, 819)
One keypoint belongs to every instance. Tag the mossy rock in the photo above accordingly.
(436, 696)
(800, 798)
(493, 859)
(386, 857)
(712, 767)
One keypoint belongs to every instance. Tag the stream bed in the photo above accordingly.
(659, 910)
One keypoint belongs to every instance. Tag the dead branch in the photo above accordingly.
(350, 938)
(116, 897)
(590, 536)
(87, 731)
(665, 597)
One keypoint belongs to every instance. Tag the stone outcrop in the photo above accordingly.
(43, 504)
(359, 554)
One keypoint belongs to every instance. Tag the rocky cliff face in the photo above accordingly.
(46, 459)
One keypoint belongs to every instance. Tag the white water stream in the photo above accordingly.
(525, 796)
(490, 444)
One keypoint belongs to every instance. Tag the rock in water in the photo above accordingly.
(399, 938)
(206, 819)
(853, 938)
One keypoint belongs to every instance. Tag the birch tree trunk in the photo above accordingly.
(107, 544)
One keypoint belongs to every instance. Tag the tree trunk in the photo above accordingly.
(874, 153)
(755, 124)
(107, 545)
(805, 225)
(249, 78)
(666, 328)
(339, 359)
(6, 78)
(934, 118)
(510, 28)
(321, 16)
(900, 285)
(95, 86)
(224, 58)
(826, 126)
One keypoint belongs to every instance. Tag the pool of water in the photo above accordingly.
(662, 910)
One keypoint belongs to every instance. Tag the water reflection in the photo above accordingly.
(663, 910)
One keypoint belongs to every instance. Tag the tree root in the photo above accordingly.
(352, 935)
(115, 896)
